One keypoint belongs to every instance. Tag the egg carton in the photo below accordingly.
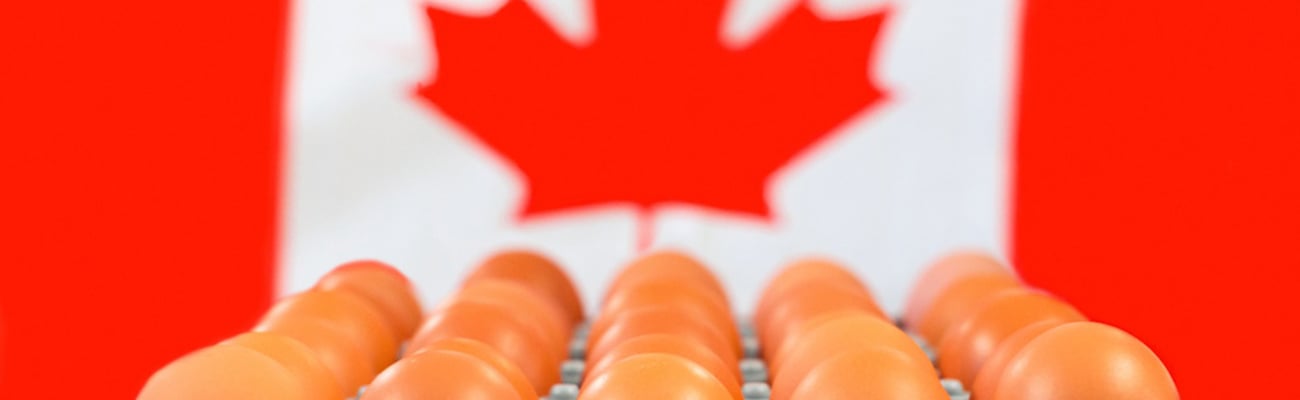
(753, 369)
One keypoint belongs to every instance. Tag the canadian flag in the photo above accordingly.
(177, 166)
(749, 133)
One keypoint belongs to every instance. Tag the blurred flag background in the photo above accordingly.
(170, 167)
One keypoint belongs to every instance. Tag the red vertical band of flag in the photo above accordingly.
(140, 163)
(1157, 178)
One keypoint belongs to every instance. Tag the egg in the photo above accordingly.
(332, 344)
(668, 293)
(810, 304)
(655, 376)
(797, 334)
(846, 334)
(537, 273)
(493, 357)
(350, 313)
(665, 320)
(666, 264)
(727, 374)
(223, 373)
(384, 287)
(958, 301)
(696, 288)
(800, 272)
(498, 327)
(314, 377)
(441, 375)
(871, 373)
(1085, 361)
(986, 379)
(709, 334)
(942, 274)
(763, 314)
(966, 346)
(545, 316)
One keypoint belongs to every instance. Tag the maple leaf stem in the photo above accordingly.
(645, 228)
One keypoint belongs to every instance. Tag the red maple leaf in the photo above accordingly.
(656, 108)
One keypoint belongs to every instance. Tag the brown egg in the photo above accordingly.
(663, 319)
(1085, 361)
(668, 264)
(441, 375)
(669, 293)
(808, 305)
(872, 373)
(798, 273)
(655, 376)
(314, 377)
(223, 373)
(697, 289)
(544, 315)
(350, 313)
(970, 342)
(333, 345)
(958, 301)
(945, 272)
(537, 273)
(986, 381)
(797, 334)
(796, 289)
(386, 288)
(727, 374)
(669, 312)
(849, 333)
(498, 327)
(493, 357)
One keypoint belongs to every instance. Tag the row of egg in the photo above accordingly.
(1009, 341)
(323, 343)
(824, 337)
(664, 330)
